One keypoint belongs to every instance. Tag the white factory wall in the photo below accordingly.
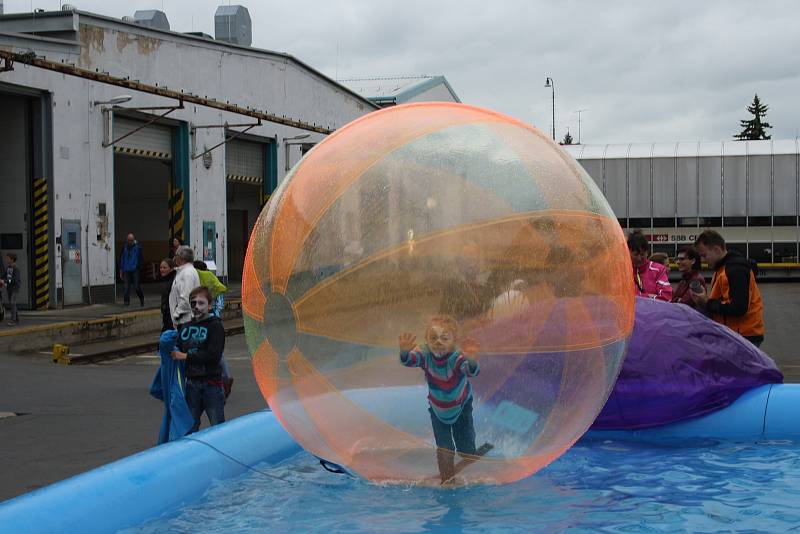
(83, 170)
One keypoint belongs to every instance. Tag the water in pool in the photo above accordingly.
(606, 486)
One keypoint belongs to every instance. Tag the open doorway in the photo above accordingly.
(143, 173)
(25, 198)
(15, 179)
(243, 207)
(245, 174)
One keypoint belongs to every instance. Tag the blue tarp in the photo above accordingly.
(168, 386)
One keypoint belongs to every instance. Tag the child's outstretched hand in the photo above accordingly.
(407, 342)
(470, 348)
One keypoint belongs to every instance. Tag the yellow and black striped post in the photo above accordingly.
(176, 211)
(41, 246)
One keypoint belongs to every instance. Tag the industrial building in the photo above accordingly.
(749, 191)
(111, 126)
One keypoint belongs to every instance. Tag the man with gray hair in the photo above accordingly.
(186, 279)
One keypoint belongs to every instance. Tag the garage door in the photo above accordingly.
(152, 141)
(244, 161)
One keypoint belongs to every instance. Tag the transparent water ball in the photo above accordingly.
(437, 294)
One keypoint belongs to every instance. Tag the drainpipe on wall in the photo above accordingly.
(88, 273)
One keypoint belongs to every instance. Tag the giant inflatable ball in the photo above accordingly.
(437, 294)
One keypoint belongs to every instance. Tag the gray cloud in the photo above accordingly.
(646, 71)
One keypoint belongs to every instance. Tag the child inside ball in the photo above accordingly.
(447, 368)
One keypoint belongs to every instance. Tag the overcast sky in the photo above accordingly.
(645, 71)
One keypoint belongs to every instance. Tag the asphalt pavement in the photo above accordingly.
(75, 418)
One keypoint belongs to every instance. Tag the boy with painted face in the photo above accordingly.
(201, 342)
(447, 371)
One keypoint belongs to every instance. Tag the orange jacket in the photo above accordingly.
(735, 299)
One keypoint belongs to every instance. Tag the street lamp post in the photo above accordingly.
(550, 83)
(579, 111)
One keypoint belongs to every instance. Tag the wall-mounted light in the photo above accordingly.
(121, 99)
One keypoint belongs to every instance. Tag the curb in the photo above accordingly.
(114, 353)
(109, 328)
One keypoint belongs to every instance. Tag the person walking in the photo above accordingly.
(130, 264)
(186, 280)
(12, 281)
(688, 260)
(735, 299)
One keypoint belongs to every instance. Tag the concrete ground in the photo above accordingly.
(782, 320)
(75, 418)
(78, 417)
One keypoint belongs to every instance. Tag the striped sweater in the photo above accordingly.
(448, 387)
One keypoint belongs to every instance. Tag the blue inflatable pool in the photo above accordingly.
(162, 480)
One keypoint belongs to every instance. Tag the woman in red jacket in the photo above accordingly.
(650, 278)
(688, 260)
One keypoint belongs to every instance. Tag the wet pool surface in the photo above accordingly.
(597, 486)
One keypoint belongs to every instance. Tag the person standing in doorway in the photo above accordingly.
(186, 280)
(174, 243)
(130, 264)
(167, 271)
(12, 281)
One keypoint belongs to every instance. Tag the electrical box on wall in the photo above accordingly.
(209, 241)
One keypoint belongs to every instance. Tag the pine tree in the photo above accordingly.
(755, 128)
(567, 139)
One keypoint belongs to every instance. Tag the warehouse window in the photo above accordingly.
(761, 252)
(735, 221)
(666, 248)
(784, 220)
(785, 252)
(759, 221)
(708, 222)
(741, 248)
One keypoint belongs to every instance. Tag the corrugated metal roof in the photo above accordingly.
(683, 149)
(395, 89)
(384, 87)
(734, 148)
(640, 150)
(227, 10)
(784, 146)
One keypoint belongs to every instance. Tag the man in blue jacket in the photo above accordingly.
(130, 263)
